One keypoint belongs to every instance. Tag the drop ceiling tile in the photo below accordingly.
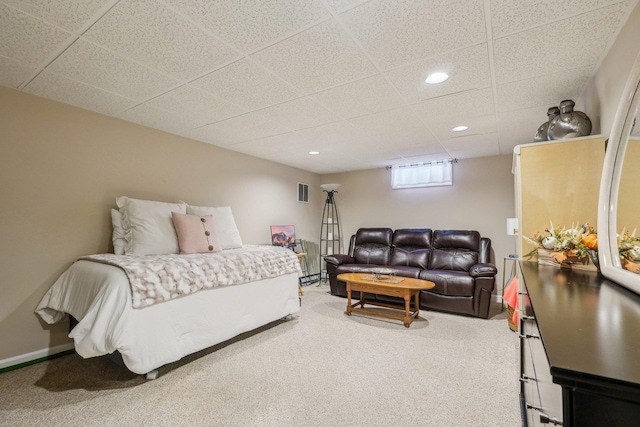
(477, 126)
(342, 5)
(459, 106)
(197, 104)
(247, 85)
(423, 153)
(318, 58)
(473, 146)
(359, 98)
(547, 90)
(407, 138)
(300, 159)
(390, 121)
(60, 88)
(332, 133)
(159, 119)
(272, 144)
(100, 68)
(13, 73)
(519, 127)
(71, 15)
(538, 51)
(399, 32)
(251, 24)
(299, 113)
(507, 19)
(151, 33)
(364, 152)
(468, 69)
(237, 129)
(26, 39)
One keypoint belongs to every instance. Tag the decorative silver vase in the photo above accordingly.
(569, 123)
(541, 134)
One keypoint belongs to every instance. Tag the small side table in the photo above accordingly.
(301, 256)
(504, 272)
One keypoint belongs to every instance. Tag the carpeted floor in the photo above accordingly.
(320, 369)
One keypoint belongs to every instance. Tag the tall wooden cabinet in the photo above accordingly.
(558, 181)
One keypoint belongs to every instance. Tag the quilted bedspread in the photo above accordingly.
(158, 278)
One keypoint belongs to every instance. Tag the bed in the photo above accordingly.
(155, 309)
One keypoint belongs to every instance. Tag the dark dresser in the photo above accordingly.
(579, 349)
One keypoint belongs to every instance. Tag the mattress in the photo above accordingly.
(99, 297)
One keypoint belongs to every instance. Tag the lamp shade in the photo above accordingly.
(330, 187)
(512, 226)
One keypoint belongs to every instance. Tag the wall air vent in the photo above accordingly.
(303, 193)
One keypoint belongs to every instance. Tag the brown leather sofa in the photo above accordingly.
(457, 261)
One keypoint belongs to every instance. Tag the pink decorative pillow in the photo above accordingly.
(196, 233)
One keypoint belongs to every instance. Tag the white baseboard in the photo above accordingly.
(23, 358)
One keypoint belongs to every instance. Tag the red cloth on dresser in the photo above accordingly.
(511, 297)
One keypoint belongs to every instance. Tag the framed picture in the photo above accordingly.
(283, 235)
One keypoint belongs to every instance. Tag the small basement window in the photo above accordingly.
(431, 174)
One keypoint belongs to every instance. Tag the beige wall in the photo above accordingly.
(481, 198)
(61, 169)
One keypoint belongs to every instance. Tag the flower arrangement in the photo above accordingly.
(629, 249)
(577, 242)
(581, 242)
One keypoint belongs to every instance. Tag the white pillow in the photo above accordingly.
(148, 226)
(228, 234)
(118, 233)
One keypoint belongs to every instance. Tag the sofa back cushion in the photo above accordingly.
(455, 250)
(411, 247)
(373, 246)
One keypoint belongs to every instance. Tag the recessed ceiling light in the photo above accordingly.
(313, 153)
(459, 128)
(435, 78)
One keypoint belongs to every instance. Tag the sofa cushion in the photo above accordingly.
(459, 239)
(410, 256)
(404, 271)
(452, 259)
(411, 248)
(373, 246)
(414, 237)
(450, 283)
(455, 250)
(357, 268)
(399, 270)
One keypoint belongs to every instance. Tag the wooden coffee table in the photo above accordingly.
(407, 288)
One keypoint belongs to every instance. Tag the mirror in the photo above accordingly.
(619, 201)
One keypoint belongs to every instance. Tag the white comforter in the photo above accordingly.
(159, 278)
(99, 296)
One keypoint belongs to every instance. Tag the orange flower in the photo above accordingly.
(631, 266)
(558, 256)
(591, 241)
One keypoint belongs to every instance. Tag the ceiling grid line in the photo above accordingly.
(346, 77)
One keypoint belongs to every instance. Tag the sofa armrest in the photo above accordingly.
(483, 270)
(339, 259)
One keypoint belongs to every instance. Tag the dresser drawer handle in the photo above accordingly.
(546, 419)
(529, 336)
(525, 378)
(527, 318)
(536, 408)
(523, 293)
